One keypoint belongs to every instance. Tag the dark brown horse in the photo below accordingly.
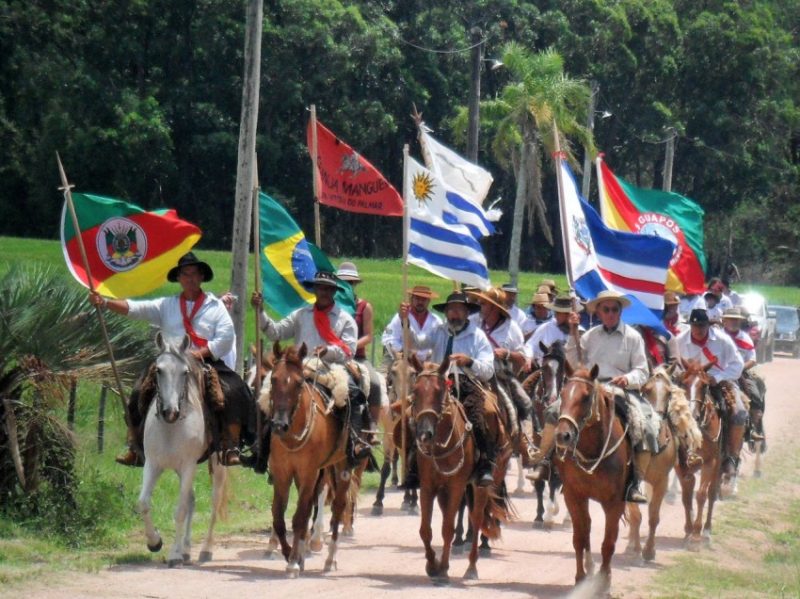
(592, 456)
(446, 457)
(695, 381)
(306, 438)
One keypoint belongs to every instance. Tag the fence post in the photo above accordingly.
(71, 405)
(101, 418)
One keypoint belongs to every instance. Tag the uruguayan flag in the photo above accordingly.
(467, 186)
(436, 242)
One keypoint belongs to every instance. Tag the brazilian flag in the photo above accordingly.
(288, 261)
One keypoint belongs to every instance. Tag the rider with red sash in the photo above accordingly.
(205, 319)
(329, 333)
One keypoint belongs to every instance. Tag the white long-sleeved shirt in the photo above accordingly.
(393, 333)
(517, 315)
(300, 326)
(212, 321)
(721, 349)
(744, 345)
(506, 335)
(617, 352)
(470, 341)
(548, 333)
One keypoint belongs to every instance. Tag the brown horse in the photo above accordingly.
(592, 456)
(658, 390)
(306, 438)
(446, 457)
(695, 380)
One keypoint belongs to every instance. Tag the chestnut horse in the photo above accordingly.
(695, 380)
(306, 438)
(593, 454)
(446, 456)
(658, 390)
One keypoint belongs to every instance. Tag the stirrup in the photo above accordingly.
(540, 472)
(130, 458)
(693, 462)
(633, 495)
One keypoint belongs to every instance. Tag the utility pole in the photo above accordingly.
(587, 160)
(668, 159)
(473, 126)
(245, 169)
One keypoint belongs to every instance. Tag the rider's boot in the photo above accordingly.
(693, 461)
(133, 455)
(357, 448)
(526, 450)
(541, 457)
(733, 448)
(230, 445)
(633, 494)
(483, 468)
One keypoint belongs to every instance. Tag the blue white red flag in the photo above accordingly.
(436, 243)
(601, 258)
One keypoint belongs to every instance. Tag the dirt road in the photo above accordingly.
(385, 557)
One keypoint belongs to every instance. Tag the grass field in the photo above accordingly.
(108, 492)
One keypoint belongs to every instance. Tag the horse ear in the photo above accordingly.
(391, 352)
(276, 349)
(543, 347)
(568, 370)
(186, 343)
(671, 368)
(302, 352)
(593, 372)
(444, 365)
(685, 363)
(160, 341)
(414, 361)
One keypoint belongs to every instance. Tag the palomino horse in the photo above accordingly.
(306, 438)
(544, 386)
(658, 390)
(446, 457)
(175, 438)
(592, 457)
(695, 380)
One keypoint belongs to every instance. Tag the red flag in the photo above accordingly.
(346, 180)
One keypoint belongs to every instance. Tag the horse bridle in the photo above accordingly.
(559, 376)
(702, 401)
(183, 396)
(305, 434)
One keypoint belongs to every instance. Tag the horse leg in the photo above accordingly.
(712, 499)
(552, 505)
(144, 505)
(687, 495)
(386, 469)
(186, 552)
(581, 526)
(480, 498)
(700, 497)
(458, 544)
(280, 498)
(520, 490)
(426, 532)
(317, 535)
(538, 486)
(634, 525)
(182, 511)
(306, 486)
(395, 460)
(659, 486)
(448, 503)
(338, 505)
(613, 514)
(219, 481)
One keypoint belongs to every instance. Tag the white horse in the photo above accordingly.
(175, 438)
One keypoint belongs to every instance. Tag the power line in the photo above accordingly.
(435, 51)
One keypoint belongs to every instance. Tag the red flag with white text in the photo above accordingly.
(346, 180)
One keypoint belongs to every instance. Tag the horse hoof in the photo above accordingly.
(348, 532)
(330, 565)
(377, 510)
(293, 570)
(405, 506)
(205, 556)
(441, 581)
(457, 549)
(538, 524)
(187, 559)
(471, 573)
(649, 555)
(174, 562)
(485, 551)
(157, 547)
(412, 510)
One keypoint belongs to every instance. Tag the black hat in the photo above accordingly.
(699, 316)
(458, 298)
(190, 260)
(323, 277)
(510, 288)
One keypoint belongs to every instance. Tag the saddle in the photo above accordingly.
(642, 431)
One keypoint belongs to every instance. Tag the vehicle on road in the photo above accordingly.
(787, 329)
(762, 330)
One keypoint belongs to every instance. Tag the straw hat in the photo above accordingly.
(540, 299)
(348, 272)
(671, 299)
(733, 313)
(423, 291)
(549, 283)
(564, 304)
(608, 294)
(494, 296)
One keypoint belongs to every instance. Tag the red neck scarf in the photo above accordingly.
(706, 352)
(323, 324)
(420, 318)
(197, 340)
(740, 343)
(651, 343)
(672, 326)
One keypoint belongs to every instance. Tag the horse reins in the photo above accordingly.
(182, 399)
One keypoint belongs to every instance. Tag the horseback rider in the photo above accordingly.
(537, 315)
(422, 322)
(331, 335)
(749, 382)
(510, 293)
(555, 329)
(708, 345)
(618, 351)
(470, 351)
(364, 323)
(205, 319)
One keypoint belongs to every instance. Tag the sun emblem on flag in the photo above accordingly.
(351, 164)
(121, 244)
(422, 187)
(582, 237)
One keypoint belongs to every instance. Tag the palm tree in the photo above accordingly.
(538, 95)
(50, 338)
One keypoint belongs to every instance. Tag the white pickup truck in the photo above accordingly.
(763, 329)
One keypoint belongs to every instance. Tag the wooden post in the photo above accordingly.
(669, 158)
(406, 334)
(101, 418)
(474, 99)
(587, 159)
(315, 176)
(245, 171)
(73, 390)
(257, 255)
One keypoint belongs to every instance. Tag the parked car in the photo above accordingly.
(763, 325)
(787, 329)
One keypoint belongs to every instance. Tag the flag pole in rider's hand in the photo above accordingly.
(66, 187)
(257, 256)
(406, 335)
(558, 155)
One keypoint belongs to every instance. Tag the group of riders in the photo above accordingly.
(490, 342)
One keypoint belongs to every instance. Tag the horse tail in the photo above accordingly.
(499, 510)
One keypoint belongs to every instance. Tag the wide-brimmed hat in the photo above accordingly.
(671, 299)
(494, 296)
(509, 288)
(564, 304)
(549, 283)
(608, 294)
(545, 289)
(734, 312)
(423, 291)
(540, 299)
(699, 316)
(457, 297)
(348, 272)
(323, 277)
(189, 259)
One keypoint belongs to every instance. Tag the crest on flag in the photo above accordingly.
(121, 244)
(651, 223)
(351, 163)
(422, 186)
(583, 238)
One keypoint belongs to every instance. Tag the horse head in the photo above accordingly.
(696, 380)
(176, 372)
(579, 405)
(658, 388)
(395, 373)
(552, 377)
(286, 385)
(430, 395)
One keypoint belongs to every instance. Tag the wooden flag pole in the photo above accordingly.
(406, 334)
(564, 232)
(257, 271)
(315, 176)
(67, 189)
